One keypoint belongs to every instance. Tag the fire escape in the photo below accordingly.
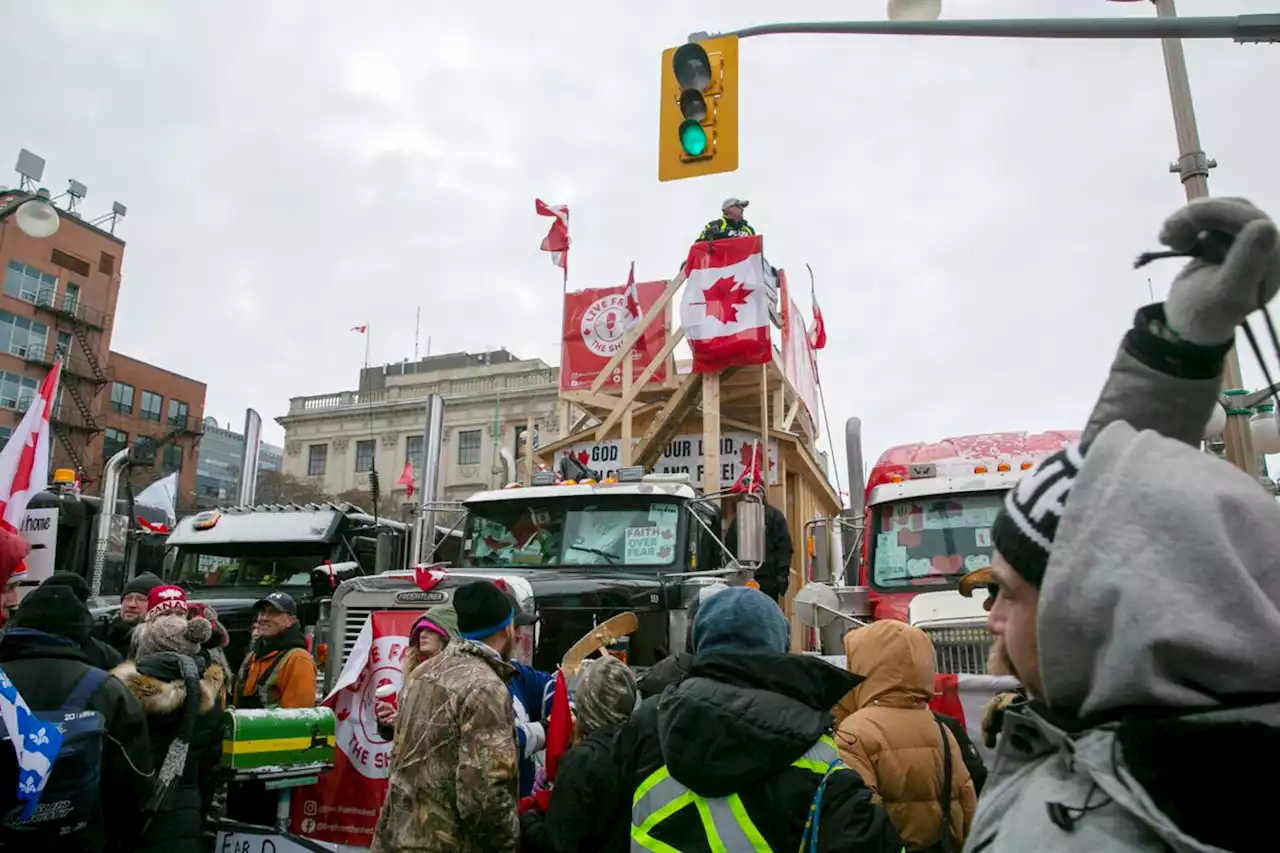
(83, 373)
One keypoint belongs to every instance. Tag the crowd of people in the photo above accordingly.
(153, 681)
(1134, 591)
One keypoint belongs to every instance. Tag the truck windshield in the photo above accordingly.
(194, 568)
(587, 532)
(931, 541)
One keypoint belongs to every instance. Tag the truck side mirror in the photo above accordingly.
(750, 524)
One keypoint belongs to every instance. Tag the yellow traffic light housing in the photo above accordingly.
(698, 121)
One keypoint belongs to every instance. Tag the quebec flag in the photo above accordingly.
(35, 742)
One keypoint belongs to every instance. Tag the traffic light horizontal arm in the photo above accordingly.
(1241, 28)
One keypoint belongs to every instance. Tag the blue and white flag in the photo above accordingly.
(35, 742)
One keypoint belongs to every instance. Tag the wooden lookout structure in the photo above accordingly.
(765, 403)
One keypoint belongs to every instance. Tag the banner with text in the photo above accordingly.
(343, 806)
(798, 363)
(683, 454)
(595, 322)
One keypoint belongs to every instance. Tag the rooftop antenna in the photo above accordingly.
(118, 211)
(76, 191)
(31, 169)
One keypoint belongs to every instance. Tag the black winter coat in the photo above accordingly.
(45, 668)
(590, 805)
(670, 670)
(734, 726)
(775, 573)
(178, 825)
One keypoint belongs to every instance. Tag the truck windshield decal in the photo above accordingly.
(932, 541)
(556, 533)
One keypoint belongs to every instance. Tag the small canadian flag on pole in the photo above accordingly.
(24, 462)
(360, 329)
(406, 479)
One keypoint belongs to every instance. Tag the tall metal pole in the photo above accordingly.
(1193, 168)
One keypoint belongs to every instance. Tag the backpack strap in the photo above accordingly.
(944, 839)
(89, 682)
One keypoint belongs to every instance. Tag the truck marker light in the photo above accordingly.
(588, 482)
(1002, 467)
(513, 485)
(206, 520)
(569, 483)
(895, 478)
(979, 469)
(1026, 466)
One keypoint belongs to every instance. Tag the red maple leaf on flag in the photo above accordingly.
(633, 307)
(723, 298)
(744, 456)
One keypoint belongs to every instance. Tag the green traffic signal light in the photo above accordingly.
(693, 138)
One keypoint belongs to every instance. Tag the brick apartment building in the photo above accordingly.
(58, 300)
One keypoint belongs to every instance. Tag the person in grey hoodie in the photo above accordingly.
(1139, 596)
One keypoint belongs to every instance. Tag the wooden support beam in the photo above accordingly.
(668, 419)
(624, 452)
(590, 399)
(791, 415)
(710, 433)
(779, 405)
(651, 314)
(629, 394)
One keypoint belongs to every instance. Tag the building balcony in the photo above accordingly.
(178, 427)
(479, 386)
(72, 365)
(70, 309)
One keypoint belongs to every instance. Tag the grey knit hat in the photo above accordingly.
(172, 632)
(606, 694)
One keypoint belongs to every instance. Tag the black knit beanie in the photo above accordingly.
(483, 610)
(76, 583)
(1023, 530)
(55, 609)
(142, 584)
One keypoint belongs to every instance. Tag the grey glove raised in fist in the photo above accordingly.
(1208, 301)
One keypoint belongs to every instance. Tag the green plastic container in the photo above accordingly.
(279, 737)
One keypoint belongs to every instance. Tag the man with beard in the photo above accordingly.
(455, 773)
(1138, 593)
(118, 632)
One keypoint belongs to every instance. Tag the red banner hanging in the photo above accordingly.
(595, 322)
(343, 807)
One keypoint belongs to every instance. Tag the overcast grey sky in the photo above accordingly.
(296, 167)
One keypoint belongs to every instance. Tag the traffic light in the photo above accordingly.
(698, 122)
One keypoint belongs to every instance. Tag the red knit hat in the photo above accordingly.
(166, 597)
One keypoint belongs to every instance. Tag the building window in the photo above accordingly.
(413, 451)
(63, 348)
(71, 299)
(69, 262)
(151, 405)
(172, 458)
(364, 455)
(317, 455)
(106, 264)
(28, 283)
(17, 392)
(177, 413)
(122, 398)
(20, 335)
(469, 447)
(144, 449)
(5, 432)
(113, 441)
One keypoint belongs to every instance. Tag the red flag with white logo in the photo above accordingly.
(557, 240)
(817, 334)
(406, 480)
(725, 310)
(24, 462)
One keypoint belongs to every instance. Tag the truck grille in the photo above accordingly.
(354, 620)
(961, 651)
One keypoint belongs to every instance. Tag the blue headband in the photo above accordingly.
(489, 632)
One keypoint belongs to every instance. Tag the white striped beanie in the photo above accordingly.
(1023, 531)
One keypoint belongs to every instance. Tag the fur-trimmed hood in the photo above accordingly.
(161, 698)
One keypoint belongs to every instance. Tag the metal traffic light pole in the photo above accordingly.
(1192, 166)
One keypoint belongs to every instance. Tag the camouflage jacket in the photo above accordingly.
(454, 774)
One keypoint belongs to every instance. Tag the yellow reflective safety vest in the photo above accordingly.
(728, 826)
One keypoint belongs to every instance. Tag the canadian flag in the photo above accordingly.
(557, 240)
(406, 480)
(24, 462)
(632, 303)
(818, 334)
(725, 311)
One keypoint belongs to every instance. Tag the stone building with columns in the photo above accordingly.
(332, 441)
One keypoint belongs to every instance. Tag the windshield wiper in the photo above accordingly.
(610, 557)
